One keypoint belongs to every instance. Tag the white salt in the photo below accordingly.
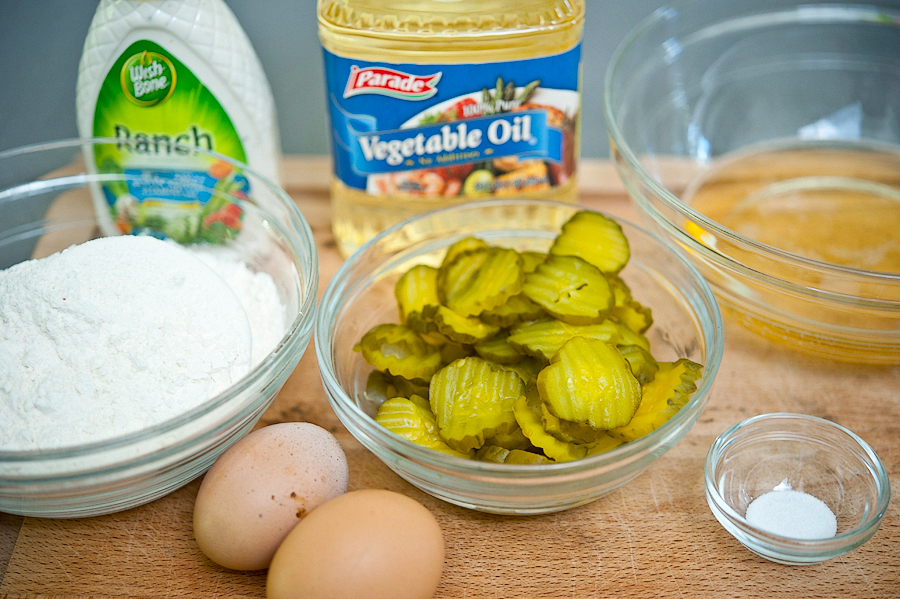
(792, 514)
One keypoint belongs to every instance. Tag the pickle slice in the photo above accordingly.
(662, 398)
(643, 365)
(513, 440)
(594, 238)
(543, 339)
(458, 328)
(400, 351)
(517, 456)
(603, 444)
(516, 310)
(527, 369)
(381, 386)
(633, 315)
(570, 289)
(589, 381)
(416, 289)
(530, 260)
(465, 244)
(566, 431)
(472, 401)
(499, 350)
(492, 453)
(451, 351)
(501, 455)
(479, 280)
(528, 414)
(410, 420)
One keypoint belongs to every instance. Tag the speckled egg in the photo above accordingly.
(261, 487)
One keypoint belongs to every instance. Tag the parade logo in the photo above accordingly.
(388, 82)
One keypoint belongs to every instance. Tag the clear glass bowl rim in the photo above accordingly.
(797, 546)
(305, 257)
(749, 18)
(339, 290)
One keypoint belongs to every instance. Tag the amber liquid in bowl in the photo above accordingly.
(839, 205)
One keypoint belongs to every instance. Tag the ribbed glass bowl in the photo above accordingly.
(805, 454)
(687, 323)
(701, 86)
(46, 206)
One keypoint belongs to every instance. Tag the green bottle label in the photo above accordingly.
(156, 108)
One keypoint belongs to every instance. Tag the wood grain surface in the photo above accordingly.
(655, 537)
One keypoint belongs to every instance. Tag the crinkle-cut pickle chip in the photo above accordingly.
(517, 456)
(481, 279)
(570, 289)
(381, 386)
(594, 238)
(530, 260)
(633, 315)
(603, 444)
(568, 432)
(643, 364)
(400, 351)
(451, 351)
(589, 381)
(662, 398)
(528, 414)
(527, 369)
(491, 453)
(513, 440)
(465, 244)
(416, 289)
(412, 421)
(456, 327)
(499, 350)
(516, 310)
(544, 338)
(473, 400)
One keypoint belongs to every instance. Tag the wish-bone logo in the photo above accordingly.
(390, 82)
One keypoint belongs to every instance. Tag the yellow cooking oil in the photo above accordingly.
(835, 203)
(438, 102)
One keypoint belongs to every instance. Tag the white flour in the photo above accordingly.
(121, 333)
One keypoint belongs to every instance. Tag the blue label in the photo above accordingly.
(406, 128)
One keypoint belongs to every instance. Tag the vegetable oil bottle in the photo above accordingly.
(435, 102)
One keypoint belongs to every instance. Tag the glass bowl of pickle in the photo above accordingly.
(518, 356)
(762, 140)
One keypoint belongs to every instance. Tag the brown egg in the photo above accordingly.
(261, 487)
(371, 544)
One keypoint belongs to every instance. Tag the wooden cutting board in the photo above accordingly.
(655, 537)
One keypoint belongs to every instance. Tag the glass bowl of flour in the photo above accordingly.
(148, 317)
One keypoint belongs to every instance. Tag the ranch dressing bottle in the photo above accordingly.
(439, 102)
(156, 73)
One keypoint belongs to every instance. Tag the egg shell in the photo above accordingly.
(372, 543)
(261, 487)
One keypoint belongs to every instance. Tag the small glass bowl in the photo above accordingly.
(45, 206)
(806, 454)
(687, 323)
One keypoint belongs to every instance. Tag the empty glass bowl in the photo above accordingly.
(687, 323)
(762, 138)
(46, 206)
(776, 452)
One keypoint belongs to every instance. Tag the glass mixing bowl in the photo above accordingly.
(46, 206)
(687, 323)
(762, 138)
(800, 453)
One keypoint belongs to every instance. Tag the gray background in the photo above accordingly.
(41, 42)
